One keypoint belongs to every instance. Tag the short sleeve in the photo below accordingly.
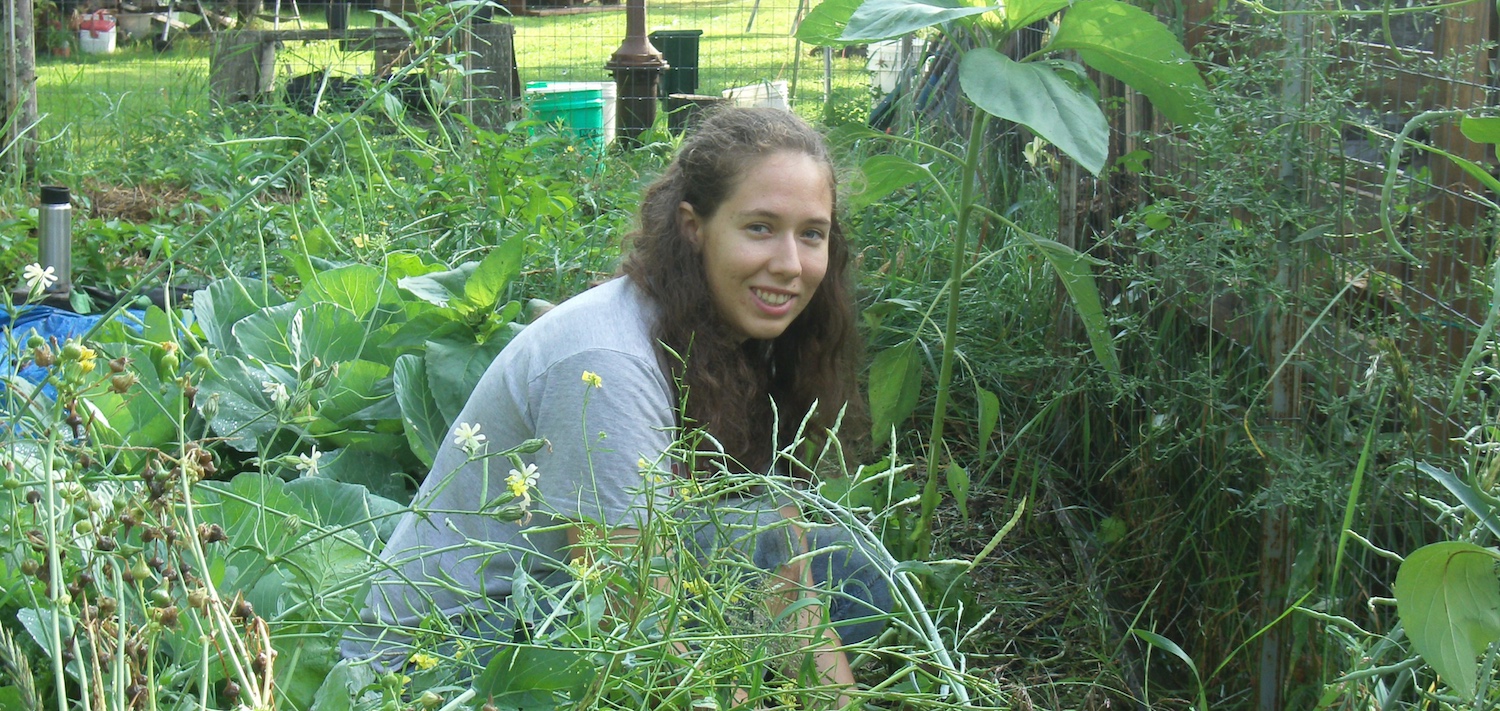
(598, 429)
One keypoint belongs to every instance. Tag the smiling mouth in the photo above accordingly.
(771, 298)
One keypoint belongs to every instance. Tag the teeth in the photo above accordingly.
(773, 299)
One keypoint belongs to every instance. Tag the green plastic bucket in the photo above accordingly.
(578, 111)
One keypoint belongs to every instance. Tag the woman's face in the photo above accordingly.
(765, 250)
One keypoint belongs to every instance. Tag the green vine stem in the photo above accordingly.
(1392, 161)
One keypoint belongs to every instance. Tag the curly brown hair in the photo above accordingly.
(728, 384)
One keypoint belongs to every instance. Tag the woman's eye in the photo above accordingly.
(759, 228)
(812, 235)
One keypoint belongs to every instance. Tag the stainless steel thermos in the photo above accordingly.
(54, 223)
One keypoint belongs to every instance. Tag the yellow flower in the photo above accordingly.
(423, 661)
(583, 569)
(593, 379)
(520, 482)
(698, 586)
(86, 359)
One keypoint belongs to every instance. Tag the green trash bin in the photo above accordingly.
(680, 49)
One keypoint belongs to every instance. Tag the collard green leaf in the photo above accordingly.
(895, 385)
(454, 367)
(824, 25)
(220, 306)
(535, 676)
(357, 385)
(1035, 97)
(244, 411)
(420, 417)
(439, 288)
(371, 467)
(1129, 44)
(1449, 601)
(884, 19)
(358, 287)
(487, 284)
(345, 682)
(348, 509)
(262, 522)
(290, 334)
(885, 174)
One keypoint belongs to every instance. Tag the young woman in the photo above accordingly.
(733, 317)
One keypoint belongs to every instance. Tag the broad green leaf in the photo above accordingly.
(485, 286)
(344, 684)
(1129, 44)
(357, 287)
(885, 174)
(439, 288)
(243, 410)
(1479, 503)
(358, 385)
(527, 676)
(424, 326)
(958, 485)
(1449, 601)
(1481, 130)
(219, 307)
(895, 385)
(399, 265)
(1020, 13)
(1075, 271)
(824, 25)
(1035, 97)
(989, 416)
(303, 662)
(262, 522)
(454, 368)
(290, 335)
(348, 508)
(420, 416)
(373, 468)
(884, 19)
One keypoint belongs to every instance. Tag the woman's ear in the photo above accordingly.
(691, 226)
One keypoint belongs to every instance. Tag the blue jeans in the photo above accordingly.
(857, 596)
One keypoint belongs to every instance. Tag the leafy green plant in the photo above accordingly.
(367, 365)
(1044, 92)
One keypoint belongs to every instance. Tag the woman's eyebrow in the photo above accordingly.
(772, 214)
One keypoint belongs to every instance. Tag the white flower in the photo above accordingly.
(38, 279)
(467, 437)
(277, 391)
(308, 463)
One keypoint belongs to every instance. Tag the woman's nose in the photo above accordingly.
(786, 260)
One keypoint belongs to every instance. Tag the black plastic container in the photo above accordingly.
(680, 49)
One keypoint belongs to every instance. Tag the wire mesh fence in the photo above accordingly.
(160, 63)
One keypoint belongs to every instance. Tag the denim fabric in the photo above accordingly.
(857, 596)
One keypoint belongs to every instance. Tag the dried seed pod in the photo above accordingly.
(231, 690)
(106, 544)
(243, 608)
(33, 497)
(118, 365)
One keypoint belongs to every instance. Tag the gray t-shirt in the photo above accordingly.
(462, 565)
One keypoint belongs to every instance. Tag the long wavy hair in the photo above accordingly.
(728, 385)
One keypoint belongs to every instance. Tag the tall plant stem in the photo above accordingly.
(977, 126)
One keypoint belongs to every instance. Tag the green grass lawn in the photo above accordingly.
(85, 98)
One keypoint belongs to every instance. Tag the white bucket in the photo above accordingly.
(608, 90)
(766, 93)
(884, 65)
(97, 42)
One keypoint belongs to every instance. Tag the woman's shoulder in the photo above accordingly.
(615, 316)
